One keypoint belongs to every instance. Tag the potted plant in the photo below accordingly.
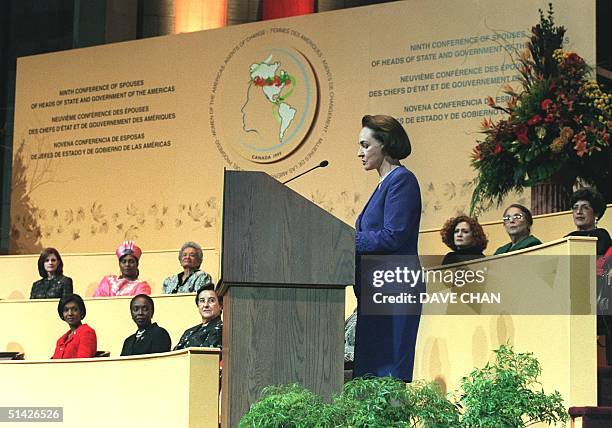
(556, 128)
(504, 393)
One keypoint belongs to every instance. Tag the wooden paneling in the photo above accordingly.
(272, 235)
(280, 336)
(285, 263)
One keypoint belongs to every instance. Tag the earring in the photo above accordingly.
(596, 220)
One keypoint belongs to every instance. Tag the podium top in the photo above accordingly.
(273, 236)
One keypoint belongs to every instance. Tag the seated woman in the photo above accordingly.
(149, 337)
(192, 279)
(463, 235)
(588, 207)
(53, 284)
(517, 222)
(127, 284)
(80, 341)
(209, 332)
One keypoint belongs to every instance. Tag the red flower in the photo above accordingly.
(498, 148)
(581, 144)
(549, 118)
(521, 133)
(534, 120)
(490, 102)
(545, 104)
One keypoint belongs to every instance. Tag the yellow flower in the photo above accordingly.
(559, 55)
(566, 134)
(557, 145)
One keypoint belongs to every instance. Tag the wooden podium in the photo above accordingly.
(284, 265)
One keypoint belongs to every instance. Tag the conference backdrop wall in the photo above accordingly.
(130, 140)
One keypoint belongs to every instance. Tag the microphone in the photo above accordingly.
(323, 164)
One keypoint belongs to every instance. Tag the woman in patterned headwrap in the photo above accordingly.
(126, 284)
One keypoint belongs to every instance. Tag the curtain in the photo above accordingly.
(273, 9)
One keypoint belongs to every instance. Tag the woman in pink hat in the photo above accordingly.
(127, 284)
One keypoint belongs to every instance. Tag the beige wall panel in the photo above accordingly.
(86, 270)
(448, 346)
(107, 392)
(431, 248)
(547, 227)
(199, 110)
(40, 325)
(453, 339)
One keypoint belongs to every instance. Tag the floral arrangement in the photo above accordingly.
(556, 128)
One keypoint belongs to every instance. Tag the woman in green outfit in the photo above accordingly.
(517, 222)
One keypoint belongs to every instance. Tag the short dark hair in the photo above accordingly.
(211, 288)
(71, 298)
(448, 232)
(525, 211)
(390, 133)
(593, 196)
(41, 262)
(147, 298)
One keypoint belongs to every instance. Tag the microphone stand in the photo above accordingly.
(323, 164)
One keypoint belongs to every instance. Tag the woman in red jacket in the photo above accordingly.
(80, 341)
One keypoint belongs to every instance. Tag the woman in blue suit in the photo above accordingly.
(385, 337)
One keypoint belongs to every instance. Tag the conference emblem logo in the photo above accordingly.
(263, 103)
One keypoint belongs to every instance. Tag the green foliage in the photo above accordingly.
(290, 406)
(432, 408)
(504, 393)
(545, 39)
(501, 394)
(372, 402)
(388, 402)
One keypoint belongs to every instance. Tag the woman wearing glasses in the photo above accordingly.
(517, 222)
(588, 206)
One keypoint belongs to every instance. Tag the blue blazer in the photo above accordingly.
(388, 225)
